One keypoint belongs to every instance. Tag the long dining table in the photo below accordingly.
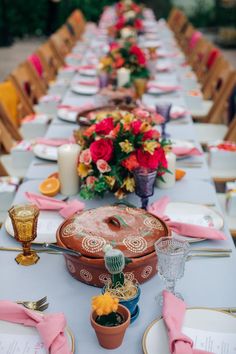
(207, 282)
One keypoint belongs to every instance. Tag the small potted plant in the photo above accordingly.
(121, 287)
(109, 320)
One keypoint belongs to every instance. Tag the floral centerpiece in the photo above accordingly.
(126, 55)
(113, 146)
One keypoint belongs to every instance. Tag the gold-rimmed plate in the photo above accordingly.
(22, 338)
(155, 338)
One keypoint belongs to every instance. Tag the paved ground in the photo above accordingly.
(12, 56)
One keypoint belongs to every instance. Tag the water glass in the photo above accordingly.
(171, 256)
(164, 110)
(144, 184)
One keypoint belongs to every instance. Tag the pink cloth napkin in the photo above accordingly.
(53, 142)
(66, 209)
(50, 327)
(35, 60)
(182, 151)
(173, 316)
(158, 208)
(164, 87)
(79, 109)
(88, 83)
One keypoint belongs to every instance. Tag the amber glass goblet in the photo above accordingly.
(24, 219)
(140, 86)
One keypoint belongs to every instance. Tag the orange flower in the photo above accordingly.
(88, 132)
(131, 162)
(115, 131)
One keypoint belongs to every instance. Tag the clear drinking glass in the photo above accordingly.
(24, 219)
(171, 256)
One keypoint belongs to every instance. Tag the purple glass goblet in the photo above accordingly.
(144, 184)
(164, 110)
(103, 79)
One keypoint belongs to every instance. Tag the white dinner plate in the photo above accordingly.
(183, 144)
(67, 115)
(155, 339)
(48, 223)
(23, 336)
(45, 152)
(177, 112)
(195, 214)
(88, 72)
(84, 90)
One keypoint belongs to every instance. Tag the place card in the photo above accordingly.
(21, 344)
(215, 342)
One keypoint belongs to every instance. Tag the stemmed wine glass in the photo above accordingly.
(24, 219)
(164, 110)
(171, 256)
(144, 184)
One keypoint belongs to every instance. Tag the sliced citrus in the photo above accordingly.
(50, 187)
(179, 174)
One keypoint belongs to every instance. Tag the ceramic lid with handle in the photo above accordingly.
(132, 230)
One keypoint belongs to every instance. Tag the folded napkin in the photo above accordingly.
(66, 209)
(50, 327)
(164, 87)
(88, 83)
(182, 151)
(173, 316)
(79, 109)
(158, 208)
(53, 142)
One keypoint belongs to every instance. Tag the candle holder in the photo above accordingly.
(164, 110)
(140, 86)
(144, 184)
(24, 219)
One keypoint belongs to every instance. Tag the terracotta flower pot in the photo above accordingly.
(111, 337)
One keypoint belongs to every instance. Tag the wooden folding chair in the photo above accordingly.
(73, 27)
(78, 16)
(185, 39)
(6, 121)
(50, 60)
(6, 140)
(174, 16)
(221, 98)
(27, 86)
(61, 42)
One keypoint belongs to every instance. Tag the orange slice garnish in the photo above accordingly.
(179, 174)
(50, 187)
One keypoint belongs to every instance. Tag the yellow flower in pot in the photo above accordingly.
(109, 320)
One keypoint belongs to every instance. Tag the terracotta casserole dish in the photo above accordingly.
(132, 230)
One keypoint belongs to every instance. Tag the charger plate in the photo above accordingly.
(155, 338)
(48, 224)
(18, 330)
(67, 115)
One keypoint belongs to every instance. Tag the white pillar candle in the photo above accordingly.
(169, 178)
(68, 155)
(123, 77)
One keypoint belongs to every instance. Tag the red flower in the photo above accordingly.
(101, 149)
(135, 50)
(138, 24)
(119, 62)
(120, 23)
(131, 162)
(151, 134)
(136, 125)
(157, 159)
(105, 126)
(114, 46)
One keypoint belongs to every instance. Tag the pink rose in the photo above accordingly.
(85, 157)
(141, 113)
(90, 180)
(136, 126)
(103, 166)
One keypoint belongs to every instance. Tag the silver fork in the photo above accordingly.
(39, 305)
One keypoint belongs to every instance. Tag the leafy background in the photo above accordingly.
(31, 17)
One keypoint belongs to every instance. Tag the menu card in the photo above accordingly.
(21, 344)
(215, 342)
